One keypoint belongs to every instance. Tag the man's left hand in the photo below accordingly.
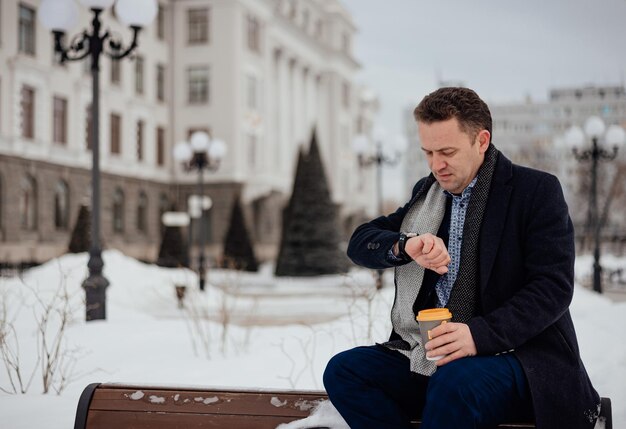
(452, 341)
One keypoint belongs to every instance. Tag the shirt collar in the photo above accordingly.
(466, 192)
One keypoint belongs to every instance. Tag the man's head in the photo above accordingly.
(454, 126)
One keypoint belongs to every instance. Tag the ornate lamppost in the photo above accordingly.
(575, 139)
(378, 158)
(60, 16)
(200, 153)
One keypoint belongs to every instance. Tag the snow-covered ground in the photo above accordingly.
(245, 330)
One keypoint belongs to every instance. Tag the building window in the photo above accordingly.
(345, 95)
(88, 128)
(252, 93)
(26, 30)
(253, 34)
(305, 20)
(360, 125)
(116, 133)
(61, 205)
(198, 25)
(293, 10)
(28, 203)
(160, 19)
(139, 74)
(142, 213)
(160, 146)
(140, 127)
(28, 112)
(59, 120)
(198, 81)
(318, 29)
(57, 57)
(345, 43)
(160, 82)
(118, 210)
(116, 72)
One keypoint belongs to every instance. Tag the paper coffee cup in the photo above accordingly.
(428, 320)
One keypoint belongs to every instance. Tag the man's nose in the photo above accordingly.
(438, 163)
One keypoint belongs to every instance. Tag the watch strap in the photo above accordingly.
(404, 237)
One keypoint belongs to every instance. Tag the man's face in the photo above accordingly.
(454, 156)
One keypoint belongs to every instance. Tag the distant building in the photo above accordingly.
(259, 74)
(529, 132)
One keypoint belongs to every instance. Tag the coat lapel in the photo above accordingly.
(494, 218)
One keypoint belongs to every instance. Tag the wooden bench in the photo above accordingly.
(105, 406)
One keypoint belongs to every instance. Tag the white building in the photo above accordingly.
(259, 74)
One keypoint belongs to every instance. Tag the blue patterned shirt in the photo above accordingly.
(455, 241)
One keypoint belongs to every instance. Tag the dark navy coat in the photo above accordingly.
(526, 284)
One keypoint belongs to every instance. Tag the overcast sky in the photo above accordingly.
(505, 50)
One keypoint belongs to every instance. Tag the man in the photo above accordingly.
(492, 242)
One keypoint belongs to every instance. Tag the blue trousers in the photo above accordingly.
(373, 388)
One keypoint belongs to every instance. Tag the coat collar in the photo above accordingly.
(495, 217)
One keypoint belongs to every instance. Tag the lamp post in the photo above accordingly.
(201, 153)
(574, 138)
(60, 16)
(378, 158)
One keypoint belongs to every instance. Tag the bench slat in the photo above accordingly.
(145, 420)
(296, 405)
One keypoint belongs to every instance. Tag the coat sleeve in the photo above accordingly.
(547, 243)
(370, 243)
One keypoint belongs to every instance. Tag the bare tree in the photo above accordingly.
(10, 354)
(55, 362)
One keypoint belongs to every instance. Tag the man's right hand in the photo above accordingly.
(429, 251)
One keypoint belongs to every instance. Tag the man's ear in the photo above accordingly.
(483, 137)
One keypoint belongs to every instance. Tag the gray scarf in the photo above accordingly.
(425, 216)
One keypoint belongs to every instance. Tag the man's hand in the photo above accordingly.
(429, 251)
(452, 341)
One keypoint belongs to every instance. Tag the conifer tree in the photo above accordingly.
(311, 238)
(80, 240)
(173, 249)
(238, 250)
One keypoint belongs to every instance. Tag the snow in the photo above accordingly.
(137, 395)
(245, 330)
(157, 399)
(324, 415)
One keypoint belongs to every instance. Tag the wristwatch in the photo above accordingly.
(404, 237)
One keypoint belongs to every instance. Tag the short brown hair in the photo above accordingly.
(454, 102)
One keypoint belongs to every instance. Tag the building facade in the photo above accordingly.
(258, 74)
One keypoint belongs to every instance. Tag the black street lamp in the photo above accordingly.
(199, 154)
(378, 158)
(575, 138)
(59, 16)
